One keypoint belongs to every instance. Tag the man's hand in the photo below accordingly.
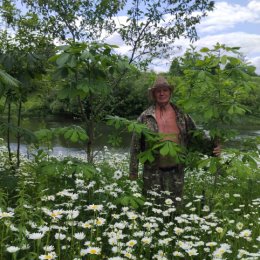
(133, 176)
(217, 150)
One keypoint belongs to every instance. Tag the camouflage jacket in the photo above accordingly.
(186, 126)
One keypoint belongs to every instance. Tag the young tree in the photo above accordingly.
(215, 85)
(85, 70)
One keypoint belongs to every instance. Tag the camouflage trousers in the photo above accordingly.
(168, 181)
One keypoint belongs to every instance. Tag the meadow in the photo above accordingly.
(66, 209)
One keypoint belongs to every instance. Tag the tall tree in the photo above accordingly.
(80, 20)
(152, 27)
(23, 54)
(148, 28)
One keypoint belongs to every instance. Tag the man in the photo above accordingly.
(164, 174)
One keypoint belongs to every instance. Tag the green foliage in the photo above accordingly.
(216, 83)
(73, 133)
(87, 68)
(61, 20)
(129, 200)
(7, 80)
(156, 141)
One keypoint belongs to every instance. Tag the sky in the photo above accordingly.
(234, 23)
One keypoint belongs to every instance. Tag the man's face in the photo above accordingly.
(162, 95)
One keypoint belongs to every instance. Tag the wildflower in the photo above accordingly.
(87, 224)
(211, 244)
(160, 255)
(79, 235)
(132, 215)
(48, 248)
(112, 241)
(60, 236)
(138, 233)
(128, 255)
(120, 225)
(163, 233)
(224, 248)
(13, 228)
(100, 221)
(6, 214)
(184, 245)
(87, 243)
(237, 195)
(226, 195)
(168, 202)
(25, 246)
(146, 240)
(95, 207)
(241, 253)
(178, 231)
(35, 236)
(118, 175)
(49, 256)
(56, 214)
(239, 225)
(192, 252)
(188, 205)
(72, 214)
(219, 229)
(206, 208)
(131, 243)
(12, 249)
(93, 251)
(177, 253)
(245, 233)
(43, 229)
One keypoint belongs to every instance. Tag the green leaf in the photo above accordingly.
(204, 49)
(165, 149)
(68, 133)
(202, 75)
(74, 137)
(208, 114)
(223, 59)
(62, 59)
(146, 156)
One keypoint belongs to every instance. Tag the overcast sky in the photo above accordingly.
(233, 22)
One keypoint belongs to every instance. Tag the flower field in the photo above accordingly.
(63, 208)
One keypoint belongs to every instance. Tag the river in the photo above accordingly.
(63, 148)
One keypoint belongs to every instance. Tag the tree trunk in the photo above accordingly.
(90, 131)
(18, 134)
(8, 132)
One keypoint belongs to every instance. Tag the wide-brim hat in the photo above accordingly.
(160, 82)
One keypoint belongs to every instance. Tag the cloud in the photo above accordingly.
(254, 5)
(256, 62)
(227, 16)
(223, 25)
(249, 43)
(249, 46)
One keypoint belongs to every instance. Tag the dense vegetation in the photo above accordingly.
(84, 207)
